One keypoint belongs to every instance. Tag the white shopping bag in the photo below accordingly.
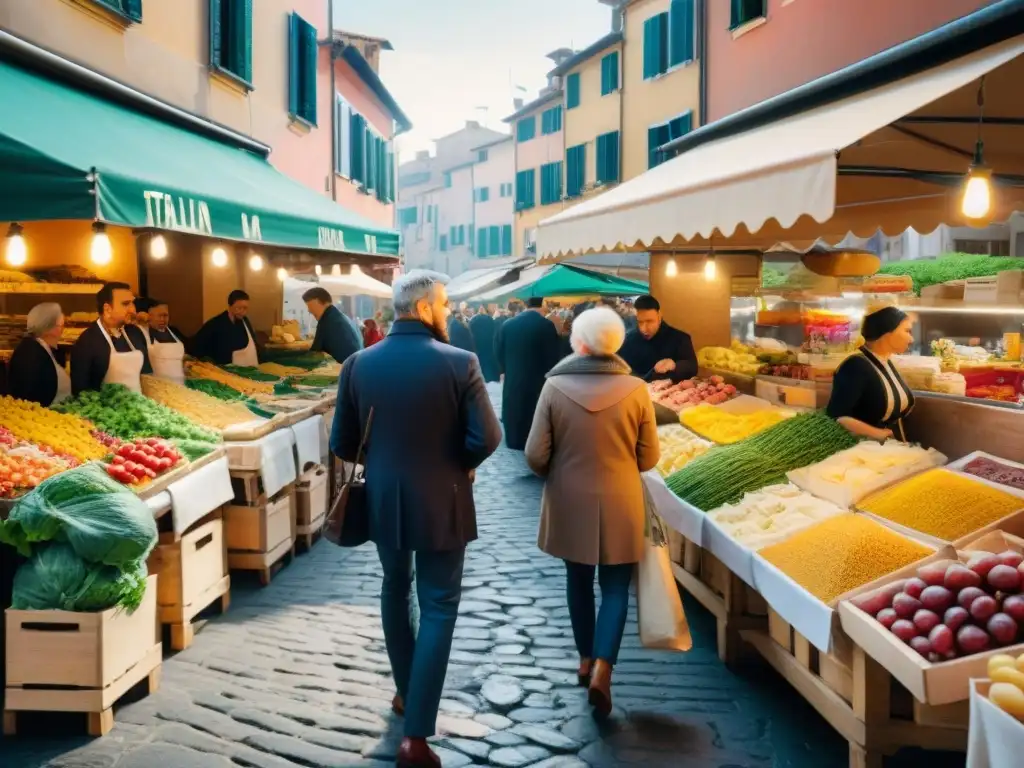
(662, 622)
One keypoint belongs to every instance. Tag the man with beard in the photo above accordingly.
(432, 426)
(483, 328)
(526, 347)
(656, 350)
(110, 351)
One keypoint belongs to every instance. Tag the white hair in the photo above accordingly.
(42, 318)
(413, 286)
(600, 330)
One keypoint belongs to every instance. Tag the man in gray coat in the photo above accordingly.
(433, 425)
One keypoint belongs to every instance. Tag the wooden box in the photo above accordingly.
(261, 528)
(311, 500)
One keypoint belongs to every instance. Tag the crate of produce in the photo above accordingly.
(63, 661)
(193, 572)
(310, 505)
(259, 538)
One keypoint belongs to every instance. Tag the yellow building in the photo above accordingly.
(660, 79)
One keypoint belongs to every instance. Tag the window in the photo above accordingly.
(610, 73)
(302, 66)
(444, 243)
(447, 180)
(481, 243)
(363, 155)
(526, 183)
(506, 190)
(407, 216)
(481, 156)
(129, 9)
(430, 214)
(526, 129)
(343, 142)
(983, 247)
(550, 183)
(481, 194)
(231, 38)
(506, 239)
(659, 135)
(681, 32)
(743, 11)
(494, 241)
(575, 170)
(655, 46)
(572, 91)
(551, 120)
(357, 146)
(608, 157)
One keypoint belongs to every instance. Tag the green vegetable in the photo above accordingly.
(724, 474)
(125, 414)
(952, 266)
(307, 360)
(215, 389)
(310, 380)
(103, 521)
(55, 578)
(285, 388)
(248, 372)
(193, 449)
(772, 278)
(257, 411)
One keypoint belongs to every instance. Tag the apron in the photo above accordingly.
(63, 380)
(166, 358)
(125, 367)
(898, 397)
(246, 357)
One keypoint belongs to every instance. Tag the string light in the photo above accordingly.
(219, 257)
(282, 274)
(158, 247)
(319, 270)
(16, 252)
(101, 251)
(256, 262)
(977, 200)
(336, 270)
(709, 267)
(671, 270)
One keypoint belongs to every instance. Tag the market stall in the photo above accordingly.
(878, 579)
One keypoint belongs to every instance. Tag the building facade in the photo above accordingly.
(493, 203)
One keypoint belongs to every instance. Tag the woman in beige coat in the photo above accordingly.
(593, 434)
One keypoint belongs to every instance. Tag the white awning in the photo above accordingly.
(528, 277)
(464, 285)
(754, 186)
(356, 283)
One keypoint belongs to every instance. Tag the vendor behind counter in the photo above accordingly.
(228, 338)
(111, 350)
(656, 350)
(36, 371)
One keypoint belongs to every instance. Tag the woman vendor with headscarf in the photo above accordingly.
(37, 365)
(869, 397)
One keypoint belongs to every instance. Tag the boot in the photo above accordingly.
(600, 693)
(583, 673)
(397, 705)
(415, 753)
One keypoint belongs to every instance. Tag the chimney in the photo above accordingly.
(423, 154)
(471, 124)
(517, 104)
(616, 6)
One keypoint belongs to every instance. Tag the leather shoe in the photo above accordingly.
(397, 705)
(600, 692)
(416, 753)
(583, 673)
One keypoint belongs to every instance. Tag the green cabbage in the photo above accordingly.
(55, 578)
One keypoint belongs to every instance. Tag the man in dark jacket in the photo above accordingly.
(526, 348)
(656, 350)
(459, 335)
(432, 426)
(228, 338)
(110, 351)
(335, 336)
(483, 328)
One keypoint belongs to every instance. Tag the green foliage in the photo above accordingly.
(951, 266)
(118, 411)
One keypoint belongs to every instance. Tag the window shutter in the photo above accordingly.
(657, 135)
(310, 52)
(133, 9)
(575, 170)
(608, 157)
(494, 241)
(241, 39)
(572, 91)
(345, 139)
(358, 166)
(294, 65)
(444, 242)
(470, 241)
(610, 73)
(481, 242)
(216, 44)
(681, 32)
(506, 240)
(650, 44)
(390, 195)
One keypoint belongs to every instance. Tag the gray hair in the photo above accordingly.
(600, 329)
(42, 318)
(413, 286)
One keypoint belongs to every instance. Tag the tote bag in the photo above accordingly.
(663, 624)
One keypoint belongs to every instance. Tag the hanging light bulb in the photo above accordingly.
(158, 247)
(282, 274)
(336, 270)
(709, 267)
(101, 250)
(16, 252)
(219, 257)
(255, 262)
(671, 270)
(977, 200)
(319, 270)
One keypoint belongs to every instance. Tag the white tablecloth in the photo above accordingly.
(995, 739)
(272, 456)
(308, 435)
(198, 493)
(678, 514)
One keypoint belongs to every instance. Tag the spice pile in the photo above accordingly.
(727, 428)
(200, 408)
(679, 446)
(941, 503)
(765, 517)
(842, 553)
(725, 473)
(199, 370)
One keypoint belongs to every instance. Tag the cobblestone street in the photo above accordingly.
(296, 675)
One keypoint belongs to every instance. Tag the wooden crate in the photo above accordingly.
(311, 505)
(193, 574)
(261, 537)
(63, 661)
(857, 696)
(248, 487)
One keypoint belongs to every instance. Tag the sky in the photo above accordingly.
(453, 56)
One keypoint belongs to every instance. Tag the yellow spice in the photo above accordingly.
(841, 553)
(942, 504)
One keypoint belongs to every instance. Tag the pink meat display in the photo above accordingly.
(996, 472)
(693, 391)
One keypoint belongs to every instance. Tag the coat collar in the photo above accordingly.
(409, 327)
(590, 364)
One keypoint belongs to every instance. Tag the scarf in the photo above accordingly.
(590, 364)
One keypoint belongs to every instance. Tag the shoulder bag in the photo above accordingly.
(348, 521)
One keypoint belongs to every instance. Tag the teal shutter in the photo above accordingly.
(743, 11)
(655, 46)
(310, 52)
(494, 240)
(133, 9)
(657, 135)
(681, 32)
(575, 170)
(294, 65)
(451, 235)
(526, 129)
(506, 240)
(572, 91)
(550, 183)
(481, 242)
(444, 242)
(679, 126)
(391, 174)
(240, 47)
(358, 144)
(525, 190)
(610, 73)
(608, 157)
(216, 34)
(470, 239)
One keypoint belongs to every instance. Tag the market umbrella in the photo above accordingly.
(569, 280)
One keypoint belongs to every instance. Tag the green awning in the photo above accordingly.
(567, 280)
(67, 154)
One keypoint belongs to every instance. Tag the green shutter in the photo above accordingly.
(744, 11)
(216, 33)
(506, 240)
(655, 46)
(679, 126)
(444, 242)
(526, 129)
(240, 47)
(681, 32)
(608, 157)
(390, 197)
(657, 135)
(294, 65)
(550, 183)
(358, 147)
(133, 9)
(575, 170)
(572, 91)
(526, 182)
(494, 240)
(310, 52)
(481, 242)
(610, 73)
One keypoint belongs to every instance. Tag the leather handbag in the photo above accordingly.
(348, 521)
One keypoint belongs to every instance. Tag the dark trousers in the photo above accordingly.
(419, 661)
(598, 634)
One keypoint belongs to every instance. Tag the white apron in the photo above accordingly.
(246, 357)
(125, 367)
(166, 358)
(63, 380)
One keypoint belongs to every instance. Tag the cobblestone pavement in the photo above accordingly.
(296, 675)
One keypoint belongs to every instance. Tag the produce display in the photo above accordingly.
(193, 450)
(329, 368)
(952, 609)
(996, 472)
(142, 460)
(691, 392)
(850, 475)
(279, 371)
(727, 428)
(216, 389)
(842, 553)
(248, 372)
(200, 370)
(120, 412)
(765, 517)
(737, 359)
(954, 266)
(786, 370)
(941, 503)
(305, 360)
(314, 380)
(23, 468)
(197, 406)
(65, 434)
(725, 473)
(1007, 689)
(678, 447)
